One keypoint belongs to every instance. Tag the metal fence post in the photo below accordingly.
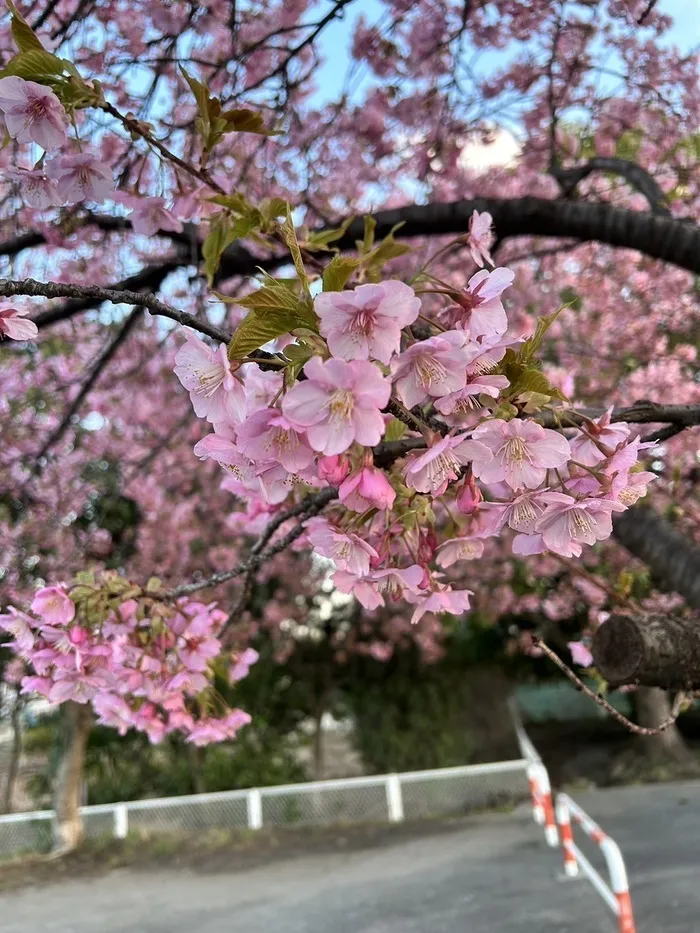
(121, 821)
(394, 798)
(255, 816)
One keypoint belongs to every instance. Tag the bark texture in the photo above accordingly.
(68, 829)
(653, 707)
(652, 650)
(672, 559)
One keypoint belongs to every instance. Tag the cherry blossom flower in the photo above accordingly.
(521, 513)
(333, 469)
(20, 626)
(372, 589)
(217, 730)
(521, 452)
(479, 309)
(631, 487)
(431, 470)
(433, 367)
(13, 325)
(243, 663)
(53, 605)
(480, 238)
(366, 323)
(215, 392)
(584, 448)
(80, 176)
(367, 488)
(569, 523)
(441, 599)
(467, 548)
(348, 551)
(268, 435)
(149, 215)
(580, 654)
(458, 405)
(32, 112)
(36, 188)
(339, 403)
(468, 496)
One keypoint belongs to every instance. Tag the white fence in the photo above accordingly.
(375, 799)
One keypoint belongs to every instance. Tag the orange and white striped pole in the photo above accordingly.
(533, 781)
(567, 838)
(545, 790)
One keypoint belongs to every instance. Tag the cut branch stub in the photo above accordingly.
(649, 650)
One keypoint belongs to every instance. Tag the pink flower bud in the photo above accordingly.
(427, 542)
(333, 469)
(468, 497)
(365, 489)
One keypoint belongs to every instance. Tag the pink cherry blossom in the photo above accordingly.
(468, 496)
(441, 599)
(20, 626)
(372, 589)
(80, 176)
(457, 405)
(348, 551)
(149, 215)
(366, 323)
(53, 605)
(36, 188)
(433, 367)
(480, 238)
(468, 548)
(479, 309)
(580, 654)
(223, 450)
(569, 523)
(12, 324)
(521, 452)
(584, 448)
(339, 403)
(333, 469)
(268, 435)
(433, 469)
(367, 488)
(32, 112)
(631, 487)
(521, 513)
(215, 392)
(239, 669)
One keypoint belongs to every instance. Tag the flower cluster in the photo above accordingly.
(137, 661)
(487, 469)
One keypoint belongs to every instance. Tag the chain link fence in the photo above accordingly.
(374, 799)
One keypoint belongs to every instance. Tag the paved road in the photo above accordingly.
(491, 875)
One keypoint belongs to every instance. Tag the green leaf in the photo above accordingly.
(245, 121)
(23, 34)
(271, 298)
(533, 343)
(395, 430)
(289, 235)
(324, 238)
(223, 231)
(337, 273)
(387, 249)
(271, 208)
(258, 327)
(35, 64)
(368, 241)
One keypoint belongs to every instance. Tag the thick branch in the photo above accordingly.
(637, 177)
(650, 650)
(644, 412)
(666, 551)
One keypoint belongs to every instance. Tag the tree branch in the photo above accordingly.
(637, 177)
(649, 650)
(667, 552)
(643, 412)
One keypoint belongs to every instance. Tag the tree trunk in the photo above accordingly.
(653, 707)
(68, 829)
(318, 742)
(15, 754)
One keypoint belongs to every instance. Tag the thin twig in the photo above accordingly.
(602, 702)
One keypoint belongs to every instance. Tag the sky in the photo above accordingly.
(335, 44)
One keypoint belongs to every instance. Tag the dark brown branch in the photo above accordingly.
(645, 412)
(637, 177)
(10, 288)
(671, 557)
(649, 650)
(649, 7)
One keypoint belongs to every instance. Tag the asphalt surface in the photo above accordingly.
(493, 874)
